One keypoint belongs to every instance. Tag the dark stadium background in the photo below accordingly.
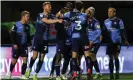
(10, 11)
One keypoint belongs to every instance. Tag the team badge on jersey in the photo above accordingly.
(98, 26)
(114, 22)
(41, 15)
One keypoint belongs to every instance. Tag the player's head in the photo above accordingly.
(79, 5)
(25, 16)
(90, 11)
(111, 12)
(69, 6)
(47, 7)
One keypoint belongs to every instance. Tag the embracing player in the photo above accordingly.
(115, 30)
(79, 38)
(94, 34)
(63, 46)
(20, 36)
(40, 40)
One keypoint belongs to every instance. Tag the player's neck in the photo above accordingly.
(90, 19)
(45, 12)
(22, 21)
(112, 18)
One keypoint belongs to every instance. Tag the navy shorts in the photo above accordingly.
(64, 47)
(113, 48)
(95, 48)
(40, 45)
(60, 46)
(22, 51)
(80, 44)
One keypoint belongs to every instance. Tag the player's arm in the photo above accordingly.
(14, 36)
(41, 18)
(63, 16)
(51, 21)
(105, 36)
(98, 29)
(123, 32)
(29, 36)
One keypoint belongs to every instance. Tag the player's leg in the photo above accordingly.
(24, 66)
(24, 54)
(15, 56)
(36, 48)
(39, 65)
(94, 50)
(79, 62)
(67, 57)
(96, 66)
(87, 54)
(109, 52)
(52, 68)
(32, 61)
(74, 60)
(58, 56)
(57, 63)
(43, 50)
(117, 64)
(88, 64)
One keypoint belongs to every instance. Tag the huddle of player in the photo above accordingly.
(78, 34)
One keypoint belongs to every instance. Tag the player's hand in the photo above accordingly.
(101, 38)
(58, 15)
(15, 46)
(91, 43)
(127, 44)
(60, 20)
(30, 48)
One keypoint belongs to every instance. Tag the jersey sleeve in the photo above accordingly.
(39, 18)
(14, 28)
(66, 15)
(121, 24)
(123, 31)
(13, 34)
(98, 29)
(51, 16)
(29, 36)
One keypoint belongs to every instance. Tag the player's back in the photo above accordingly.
(78, 24)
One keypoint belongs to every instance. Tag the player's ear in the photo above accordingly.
(115, 13)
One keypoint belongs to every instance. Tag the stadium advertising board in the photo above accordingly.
(126, 61)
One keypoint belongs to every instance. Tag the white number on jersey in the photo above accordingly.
(78, 27)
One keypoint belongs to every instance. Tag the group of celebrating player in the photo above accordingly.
(78, 33)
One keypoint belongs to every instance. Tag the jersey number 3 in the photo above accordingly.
(78, 27)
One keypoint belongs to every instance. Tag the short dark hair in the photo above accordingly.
(24, 13)
(79, 5)
(69, 5)
(45, 3)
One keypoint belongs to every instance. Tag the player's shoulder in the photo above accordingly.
(41, 15)
(18, 23)
(84, 14)
(52, 16)
(68, 13)
(95, 20)
(119, 19)
(106, 20)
